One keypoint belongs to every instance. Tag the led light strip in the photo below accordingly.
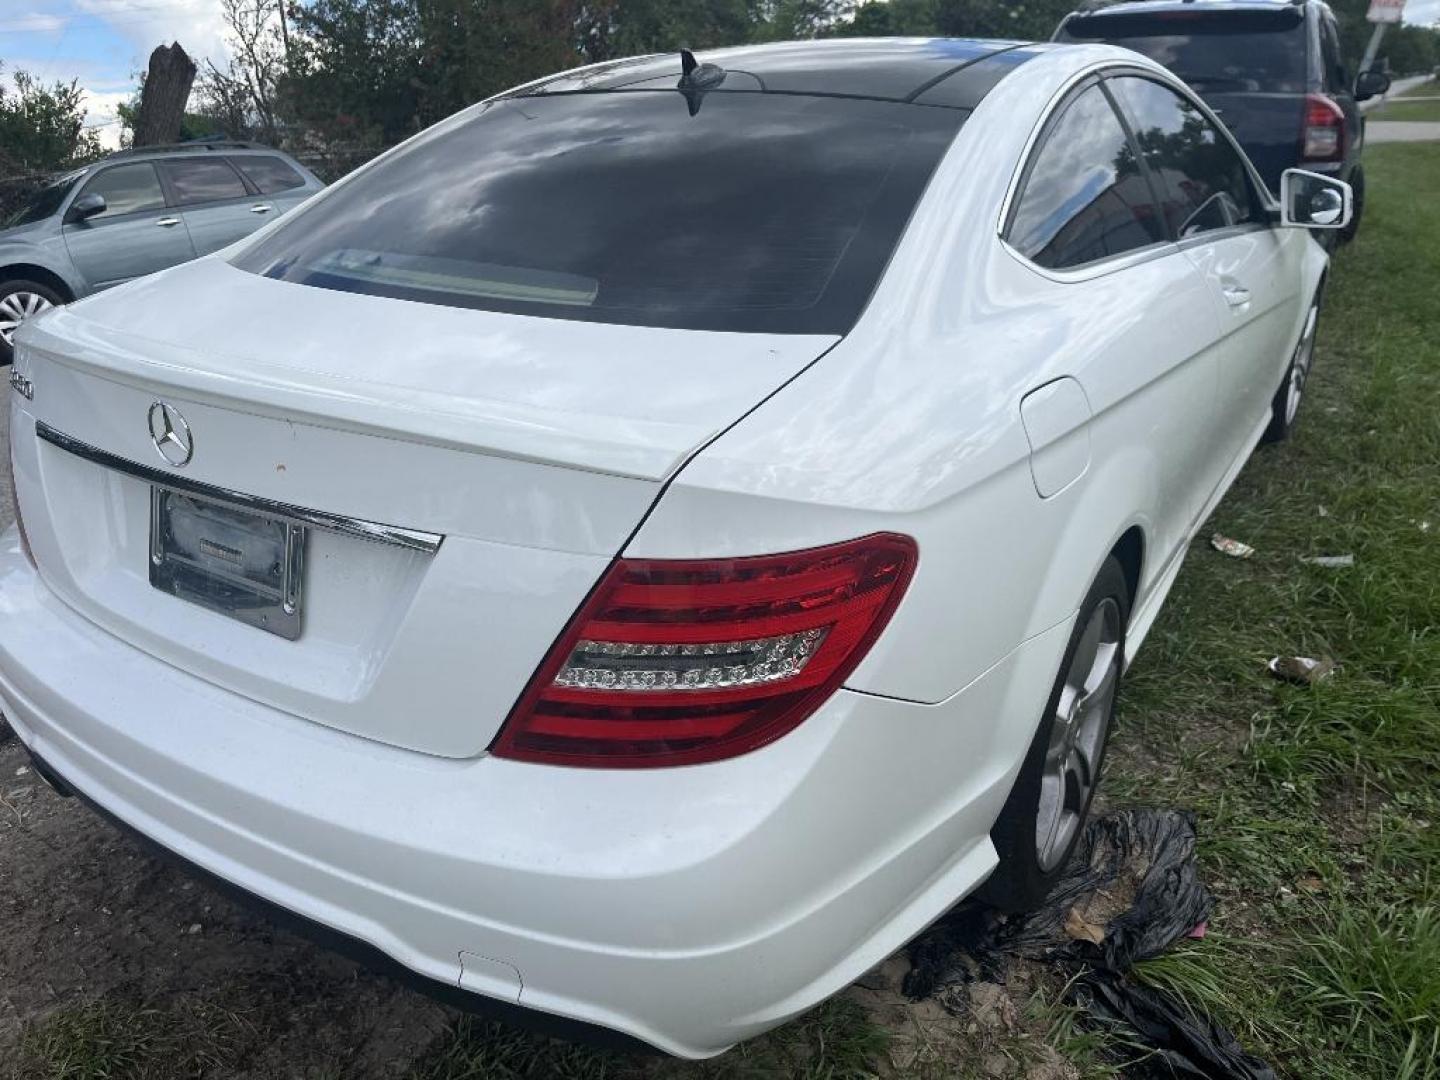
(613, 665)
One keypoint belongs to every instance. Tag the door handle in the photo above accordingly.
(167, 222)
(261, 208)
(1236, 296)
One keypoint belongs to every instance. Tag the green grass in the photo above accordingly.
(1425, 89)
(833, 1042)
(1400, 109)
(118, 1040)
(1319, 807)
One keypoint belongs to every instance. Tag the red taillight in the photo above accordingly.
(674, 662)
(1324, 136)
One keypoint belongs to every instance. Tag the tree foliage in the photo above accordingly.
(42, 128)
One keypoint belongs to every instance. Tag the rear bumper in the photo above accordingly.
(690, 908)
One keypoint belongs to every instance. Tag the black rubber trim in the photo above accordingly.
(362, 952)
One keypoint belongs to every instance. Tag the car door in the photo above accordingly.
(279, 184)
(1220, 221)
(214, 200)
(136, 233)
(1138, 328)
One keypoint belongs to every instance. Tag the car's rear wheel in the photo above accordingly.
(1357, 184)
(1285, 407)
(19, 300)
(1042, 820)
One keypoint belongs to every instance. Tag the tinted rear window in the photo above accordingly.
(761, 212)
(268, 174)
(1249, 52)
(203, 181)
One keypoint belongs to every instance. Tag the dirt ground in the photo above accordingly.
(87, 915)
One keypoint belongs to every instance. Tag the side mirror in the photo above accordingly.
(86, 206)
(1371, 84)
(1311, 201)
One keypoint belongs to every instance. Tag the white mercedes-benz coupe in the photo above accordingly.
(645, 547)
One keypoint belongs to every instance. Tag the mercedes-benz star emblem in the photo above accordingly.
(171, 434)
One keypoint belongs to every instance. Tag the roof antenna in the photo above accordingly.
(697, 79)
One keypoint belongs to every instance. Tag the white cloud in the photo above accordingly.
(198, 25)
(101, 116)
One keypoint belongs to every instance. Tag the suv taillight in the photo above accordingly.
(674, 662)
(1324, 135)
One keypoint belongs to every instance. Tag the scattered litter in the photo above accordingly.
(1322, 511)
(1130, 891)
(193, 928)
(1234, 548)
(1424, 526)
(1332, 562)
(1081, 929)
(22, 770)
(1187, 1045)
(1305, 670)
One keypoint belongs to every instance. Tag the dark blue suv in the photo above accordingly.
(1272, 70)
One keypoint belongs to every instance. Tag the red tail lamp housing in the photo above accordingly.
(677, 662)
(1324, 135)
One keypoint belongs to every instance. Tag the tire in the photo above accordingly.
(1285, 405)
(1347, 234)
(1045, 813)
(19, 299)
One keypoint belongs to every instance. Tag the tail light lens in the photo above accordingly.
(677, 662)
(1324, 138)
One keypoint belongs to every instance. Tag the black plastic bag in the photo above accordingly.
(1184, 1045)
(1148, 856)
(1129, 892)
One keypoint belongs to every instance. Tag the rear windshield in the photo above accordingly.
(759, 212)
(1240, 52)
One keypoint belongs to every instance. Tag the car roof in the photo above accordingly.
(1141, 7)
(198, 147)
(954, 72)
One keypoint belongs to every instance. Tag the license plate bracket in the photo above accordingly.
(235, 561)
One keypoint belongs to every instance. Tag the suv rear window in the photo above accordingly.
(268, 174)
(760, 212)
(1216, 53)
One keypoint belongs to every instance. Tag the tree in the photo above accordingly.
(243, 99)
(42, 128)
(163, 96)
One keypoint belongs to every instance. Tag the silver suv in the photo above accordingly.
(136, 212)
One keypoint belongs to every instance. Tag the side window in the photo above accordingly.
(1202, 181)
(127, 189)
(1085, 197)
(268, 174)
(203, 181)
(1337, 79)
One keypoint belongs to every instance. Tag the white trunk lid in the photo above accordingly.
(533, 447)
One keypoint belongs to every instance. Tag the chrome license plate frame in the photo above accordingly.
(228, 558)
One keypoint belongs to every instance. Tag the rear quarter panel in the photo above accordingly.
(912, 424)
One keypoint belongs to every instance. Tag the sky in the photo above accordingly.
(104, 43)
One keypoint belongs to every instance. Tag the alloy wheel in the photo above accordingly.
(1300, 367)
(15, 308)
(1077, 734)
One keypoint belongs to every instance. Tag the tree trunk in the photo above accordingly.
(163, 98)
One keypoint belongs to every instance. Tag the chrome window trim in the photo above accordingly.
(411, 539)
(1111, 264)
(1100, 70)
